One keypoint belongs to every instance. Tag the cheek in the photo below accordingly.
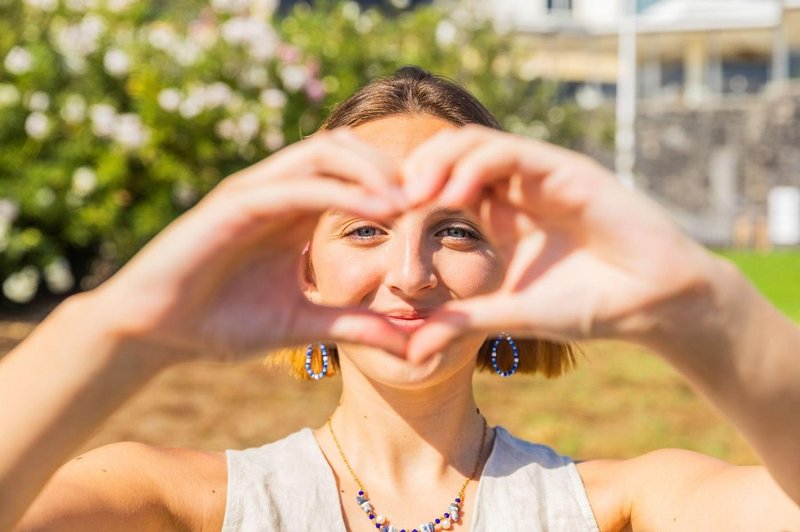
(343, 277)
(470, 275)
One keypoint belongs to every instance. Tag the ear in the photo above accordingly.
(308, 283)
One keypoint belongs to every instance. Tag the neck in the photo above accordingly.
(408, 435)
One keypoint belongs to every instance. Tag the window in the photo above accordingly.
(559, 5)
(741, 76)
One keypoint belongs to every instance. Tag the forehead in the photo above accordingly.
(398, 135)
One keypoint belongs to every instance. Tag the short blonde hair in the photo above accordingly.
(542, 357)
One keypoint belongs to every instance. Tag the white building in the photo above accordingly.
(687, 50)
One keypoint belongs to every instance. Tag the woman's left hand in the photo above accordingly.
(586, 257)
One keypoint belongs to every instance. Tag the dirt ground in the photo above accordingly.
(620, 402)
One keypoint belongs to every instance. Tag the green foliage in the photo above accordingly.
(116, 116)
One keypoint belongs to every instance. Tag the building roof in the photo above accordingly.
(703, 15)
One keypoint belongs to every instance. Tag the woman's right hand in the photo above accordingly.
(222, 281)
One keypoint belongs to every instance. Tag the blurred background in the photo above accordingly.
(118, 115)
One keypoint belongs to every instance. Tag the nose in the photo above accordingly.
(411, 270)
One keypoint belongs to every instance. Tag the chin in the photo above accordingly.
(388, 370)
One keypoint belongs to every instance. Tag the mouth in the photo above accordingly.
(408, 324)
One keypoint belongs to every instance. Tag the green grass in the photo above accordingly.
(776, 274)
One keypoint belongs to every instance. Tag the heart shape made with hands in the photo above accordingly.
(574, 263)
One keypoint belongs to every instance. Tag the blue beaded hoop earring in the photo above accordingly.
(309, 352)
(515, 365)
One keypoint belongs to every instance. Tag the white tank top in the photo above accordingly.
(289, 486)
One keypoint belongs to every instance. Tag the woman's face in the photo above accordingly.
(404, 268)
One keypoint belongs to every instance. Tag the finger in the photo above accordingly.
(363, 327)
(330, 154)
(312, 194)
(389, 168)
(485, 314)
(426, 170)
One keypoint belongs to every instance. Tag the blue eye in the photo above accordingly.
(365, 232)
(457, 232)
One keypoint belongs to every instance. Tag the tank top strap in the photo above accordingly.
(282, 486)
(527, 486)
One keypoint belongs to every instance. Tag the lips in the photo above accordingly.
(406, 320)
(406, 324)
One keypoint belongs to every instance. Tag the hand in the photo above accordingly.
(586, 258)
(221, 282)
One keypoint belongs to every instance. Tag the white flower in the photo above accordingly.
(103, 117)
(589, 97)
(58, 276)
(84, 181)
(294, 77)
(21, 286)
(191, 106)
(351, 10)
(255, 36)
(235, 103)
(162, 37)
(185, 52)
(184, 194)
(18, 61)
(9, 95)
(80, 5)
(117, 6)
(273, 98)
(234, 7)
(74, 109)
(39, 101)
(44, 197)
(43, 5)
(216, 95)
(116, 62)
(445, 33)
(37, 125)
(225, 129)
(9, 209)
(274, 140)
(92, 26)
(169, 99)
(248, 126)
(129, 131)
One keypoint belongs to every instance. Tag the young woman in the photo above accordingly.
(410, 244)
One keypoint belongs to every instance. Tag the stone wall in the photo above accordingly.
(713, 166)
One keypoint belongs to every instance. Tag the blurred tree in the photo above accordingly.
(116, 115)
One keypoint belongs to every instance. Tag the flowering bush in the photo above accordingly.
(114, 121)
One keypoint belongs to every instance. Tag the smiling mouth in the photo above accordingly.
(407, 324)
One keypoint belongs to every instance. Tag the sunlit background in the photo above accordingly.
(118, 115)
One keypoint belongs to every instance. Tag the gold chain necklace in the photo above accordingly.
(444, 521)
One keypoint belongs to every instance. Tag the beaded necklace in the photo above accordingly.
(444, 521)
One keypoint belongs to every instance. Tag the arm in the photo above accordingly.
(695, 492)
(588, 258)
(203, 288)
(132, 486)
(56, 387)
(735, 348)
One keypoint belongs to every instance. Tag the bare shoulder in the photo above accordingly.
(133, 486)
(675, 489)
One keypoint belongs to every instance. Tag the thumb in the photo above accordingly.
(486, 314)
(354, 326)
